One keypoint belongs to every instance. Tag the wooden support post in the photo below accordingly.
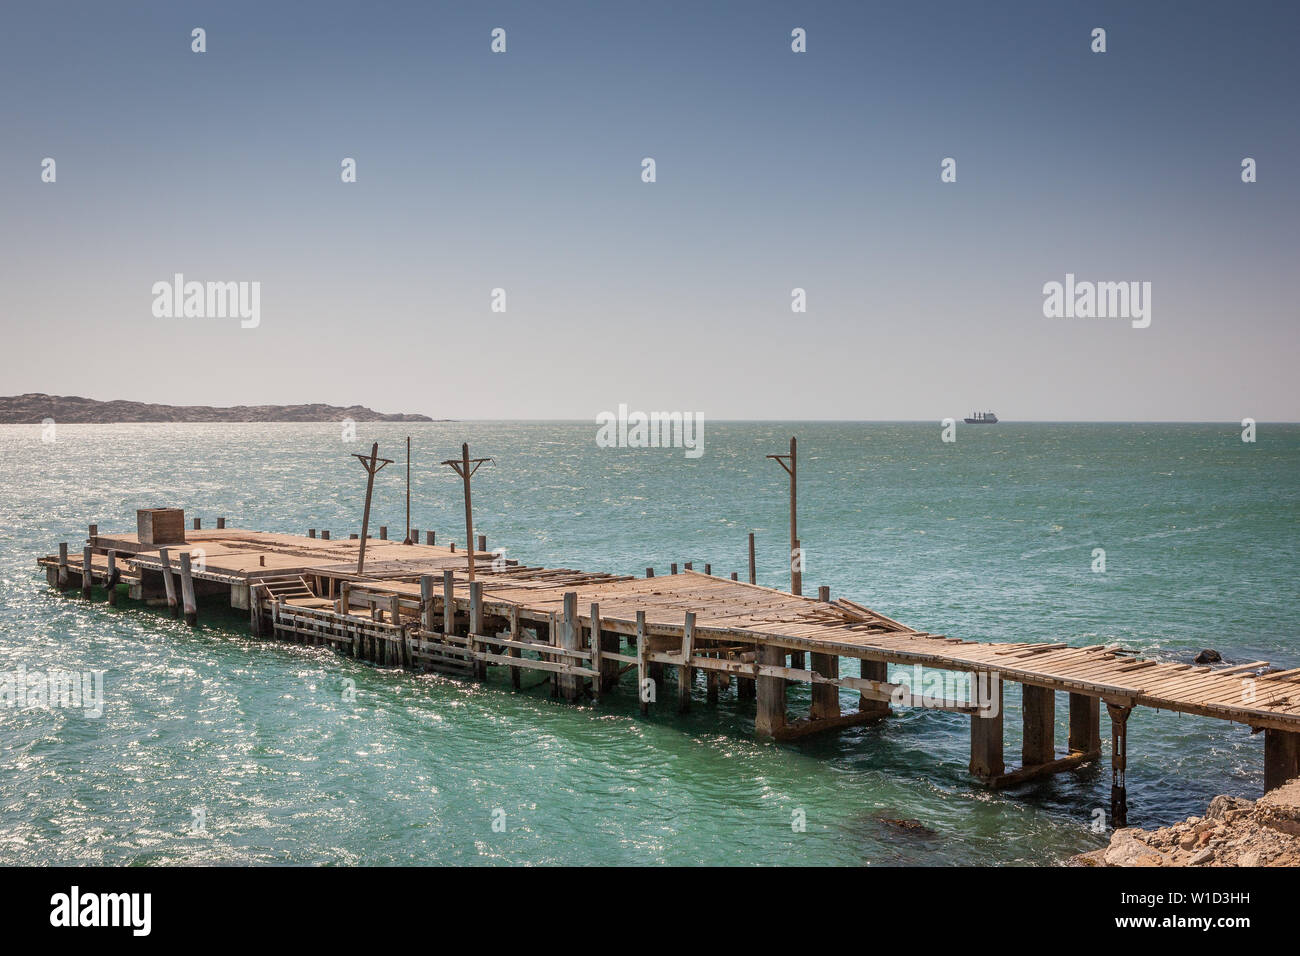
(93, 533)
(1085, 724)
(187, 591)
(1038, 713)
(824, 594)
(649, 572)
(797, 660)
(825, 697)
(110, 582)
(672, 568)
(428, 620)
(169, 582)
(790, 462)
(515, 635)
(371, 465)
(383, 532)
(413, 537)
(476, 625)
(465, 467)
(1281, 757)
(325, 535)
(482, 542)
(1118, 764)
(753, 568)
(645, 687)
(986, 740)
(685, 673)
(87, 576)
(448, 603)
(63, 566)
(735, 576)
(311, 532)
(877, 671)
(712, 684)
(708, 569)
(570, 684)
(690, 566)
(770, 718)
(428, 538)
(197, 524)
(254, 606)
(221, 523)
(395, 612)
(597, 661)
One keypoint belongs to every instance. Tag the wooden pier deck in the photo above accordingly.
(414, 606)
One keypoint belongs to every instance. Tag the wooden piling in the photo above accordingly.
(87, 577)
(1038, 714)
(644, 687)
(1281, 757)
(690, 566)
(685, 673)
(428, 538)
(770, 718)
(516, 634)
(110, 582)
(597, 661)
(448, 603)
(63, 566)
(428, 619)
(482, 542)
(1085, 724)
(672, 568)
(986, 758)
(221, 523)
(825, 697)
(735, 576)
(753, 568)
(708, 569)
(254, 604)
(476, 625)
(877, 671)
(649, 572)
(169, 582)
(570, 684)
(383, 532)
(198, 524)
(311, 532)
(325, 535)
(1118, 763)
(187, 591)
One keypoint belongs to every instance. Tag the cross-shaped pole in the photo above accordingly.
(465, 467)
(790, 463)
(371, 464)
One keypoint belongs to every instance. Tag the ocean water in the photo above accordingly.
(990, 537)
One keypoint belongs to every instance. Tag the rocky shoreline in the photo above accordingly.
(1233, 832)
(35, 407)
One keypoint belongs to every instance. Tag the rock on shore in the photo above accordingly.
(1233, 832)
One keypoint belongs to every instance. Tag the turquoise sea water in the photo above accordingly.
(988, 538)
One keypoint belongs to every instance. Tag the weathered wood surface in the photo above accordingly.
(728, 611)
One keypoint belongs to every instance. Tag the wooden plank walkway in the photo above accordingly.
(419, 607)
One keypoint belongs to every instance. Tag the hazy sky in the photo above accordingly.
(775, 170)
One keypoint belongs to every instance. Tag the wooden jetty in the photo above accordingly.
(414, 606)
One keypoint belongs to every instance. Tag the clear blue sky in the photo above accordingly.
(775, 170)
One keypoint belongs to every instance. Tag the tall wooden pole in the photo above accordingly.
(465, 467)
(371, 465)
(469, 510)
(408, 490)
(790, 463)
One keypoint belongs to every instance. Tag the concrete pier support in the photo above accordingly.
(770, 718)
(825, 697)
(1085, 724)
(986, 758)
(1281, 757)
(1038, 711)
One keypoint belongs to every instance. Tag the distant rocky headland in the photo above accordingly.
(34, 408)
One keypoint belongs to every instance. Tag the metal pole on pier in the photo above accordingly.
(408, 491)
